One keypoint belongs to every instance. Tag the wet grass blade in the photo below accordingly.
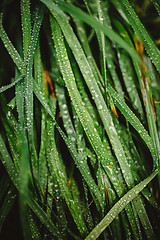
(141, 32)
(133, 120)
(11, 49)
(97, 96)
(84, 170)
(78, 13)
(118, 207)
(8, 163)
(26, 26)
(7, 205)
(157, 5)
(28, 77)
(4, 88)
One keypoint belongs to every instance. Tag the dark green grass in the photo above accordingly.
(79, 102)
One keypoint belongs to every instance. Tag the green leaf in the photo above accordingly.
(78, 13)
(119, 206)
(133, 120)
(4, 88)
(141, 32)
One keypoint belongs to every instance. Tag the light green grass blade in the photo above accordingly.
(42, 161)
(71, 86)
(56, 165)
(133, 120)
(60, 93)
(78, 13)
(152, 124)
(4, 88)
(28, 78)
(77, 102)
(141, 32)
(97, 96)
(11, 49)
(119, 206)
(22, 139)
(84, 171)
(19, 96)
(26, 26)
(80, 108)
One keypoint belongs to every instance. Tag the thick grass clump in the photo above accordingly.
(80, 119)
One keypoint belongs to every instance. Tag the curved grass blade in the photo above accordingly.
(141, 32)
(56, 166)
(4, 88)
(11, 49)
(157, 5)
(7, 205)
(78, 104)
(119, 206)
(8, 163)
(83, 170)
(43, 217)
(66, 71)
(99, 101)
(78, 13)
(133, 120)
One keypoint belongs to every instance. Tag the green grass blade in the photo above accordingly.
(119, 206)
(26, 26)
(77, 102)
(8, 163)
(84, 170)
(79, 106)
(14, 175)
(28, 78)
(43, 217)
(157, 5)
(78, 13)
(60, 93)
(56, 166)
(97, 96)
(141, 211)
(10, 125)
(152, 124)
(34, 229)
(11, 49)
(133, 120)
(7, 205)
(4, 88)
(141, 32)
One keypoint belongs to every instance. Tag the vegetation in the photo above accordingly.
(80, 117)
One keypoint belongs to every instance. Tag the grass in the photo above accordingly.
(79, 100)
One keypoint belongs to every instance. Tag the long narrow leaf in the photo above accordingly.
(118, 207)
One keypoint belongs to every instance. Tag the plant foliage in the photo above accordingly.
(79, 102)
